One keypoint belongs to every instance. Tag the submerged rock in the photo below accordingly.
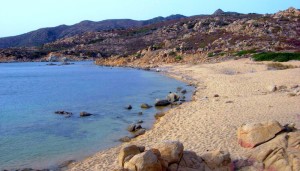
(125, 139)
(62, 112)
(85, 114)
(159, 115)
(129, 107)
(145, 106)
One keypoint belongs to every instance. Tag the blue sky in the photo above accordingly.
(21, 16)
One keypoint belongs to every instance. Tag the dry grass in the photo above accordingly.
(279, 66)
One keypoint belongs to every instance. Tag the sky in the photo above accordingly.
(21, 16)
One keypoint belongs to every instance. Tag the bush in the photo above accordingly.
(172, 53)
(178, 57)
(245, 52)
(138, 55)
(279, 66)
(210, 54)
(277, 57)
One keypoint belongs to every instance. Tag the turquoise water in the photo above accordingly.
(31, 135)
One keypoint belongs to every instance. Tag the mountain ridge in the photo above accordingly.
(49, 34)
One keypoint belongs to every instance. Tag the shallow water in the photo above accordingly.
(31, 135)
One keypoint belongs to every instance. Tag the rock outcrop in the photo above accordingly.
(281, 153)
(251, 135)
(169, 156)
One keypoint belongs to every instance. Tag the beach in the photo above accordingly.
(228, 94)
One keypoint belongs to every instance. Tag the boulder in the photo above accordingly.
(140, 121)
(129, 107)
(159, 115)
(184, 91)
(140, 132)
(251, 135)
(189, 162)
(146, 161)
(62, 112)
(127, 151)
(171, 151)
(172, 97)
(145, 106)
(125, 139)
(85, 114)
(280, 153)
(217, 160)
(272, 88)
(216, 95)
(131, 128)
(162, 103)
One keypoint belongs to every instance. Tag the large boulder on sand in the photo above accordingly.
(280, 153)
(251, 135)
(217, 160)
(127, 152)
(146, 161)
(171, 151)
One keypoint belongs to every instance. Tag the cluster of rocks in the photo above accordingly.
(272, 147)
(170, 155)
(69, 114)
(293, 90)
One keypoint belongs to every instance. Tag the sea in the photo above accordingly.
(33, 136)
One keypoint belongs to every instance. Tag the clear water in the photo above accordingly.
(31, 135)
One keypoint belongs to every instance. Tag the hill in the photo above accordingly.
(46, 35)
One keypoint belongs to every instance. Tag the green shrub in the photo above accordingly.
(245, 52)
(158, 46)
(278, 57)
(172, 53)
(178, 57)
(138, 55)
(210, 54)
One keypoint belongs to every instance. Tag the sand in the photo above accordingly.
(210, 123)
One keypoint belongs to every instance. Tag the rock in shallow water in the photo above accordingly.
(85, 114)
(162, 103)
(129, 107)
(62, 112)
(145, 106)
(125, 139)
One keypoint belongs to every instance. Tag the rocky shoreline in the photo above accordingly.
(205, 99)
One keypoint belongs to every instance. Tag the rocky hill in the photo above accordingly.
(46, 35)
(193, 39)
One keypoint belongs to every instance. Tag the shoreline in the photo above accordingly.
(71, 163)
(215, 130)
(152, 122)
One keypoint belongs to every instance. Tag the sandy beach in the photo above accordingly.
(208, 122)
